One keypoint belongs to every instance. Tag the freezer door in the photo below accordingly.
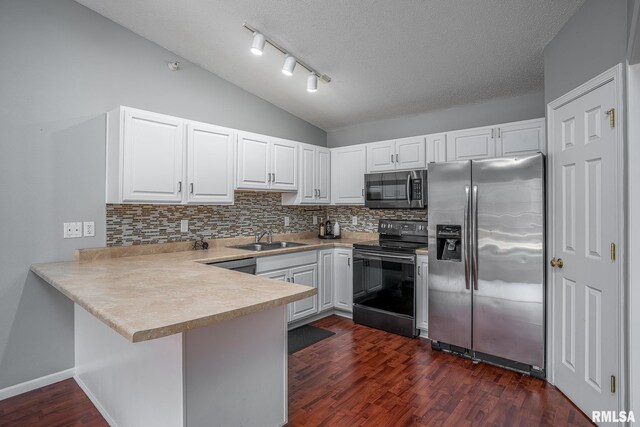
(449, 285)
(508, 269)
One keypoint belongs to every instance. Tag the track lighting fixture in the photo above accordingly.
(289, 65)
(258, 44)
(312, 83)
(290, 61)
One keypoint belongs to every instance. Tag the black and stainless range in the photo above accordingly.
(384, 277)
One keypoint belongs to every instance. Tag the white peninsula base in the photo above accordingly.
(232, 373)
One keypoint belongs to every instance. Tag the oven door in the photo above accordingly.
(397, 190)
(384, 282)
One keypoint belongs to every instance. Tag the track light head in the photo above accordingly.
(289, 65)
(258, 43)
(312, 83)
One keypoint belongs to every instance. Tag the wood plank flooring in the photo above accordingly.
(360, 376)
(363, 376)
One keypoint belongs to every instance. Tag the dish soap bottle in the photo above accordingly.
(336, 229)
(322, 229)
(328, 228)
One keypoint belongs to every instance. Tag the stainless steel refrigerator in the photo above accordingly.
(486, 260)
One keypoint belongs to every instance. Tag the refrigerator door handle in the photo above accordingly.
(465, 238)
(474, 237)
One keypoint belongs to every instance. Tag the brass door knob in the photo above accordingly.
(557, 262)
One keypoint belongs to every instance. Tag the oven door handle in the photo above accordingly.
(376, 255)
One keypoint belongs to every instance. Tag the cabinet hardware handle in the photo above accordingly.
(392, 159)
(274, 177)
(293, 280)
(349, 262)
(493, 133)
(179, 186)
(397, 158)
(419, 273)
(191, 188)
(499, 133)
(363, 192)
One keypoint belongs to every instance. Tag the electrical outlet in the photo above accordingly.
(315, 219)
(72, 230)
(184, 226)
(286, 221)
(89, 228)
(354, 220)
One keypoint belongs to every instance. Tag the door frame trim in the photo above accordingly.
(615, 75)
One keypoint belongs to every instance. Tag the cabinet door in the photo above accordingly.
(325, 287)
(348, 166)
(381, 156)
(153, 167)
(343, 279)
(308, 190)
(411, 153)
(422, 293)
(436, 148)
(471, 144)
(209, 164)
(523, 138)
(305, 275)
(284, 164)
(323, 176)
(253, 161)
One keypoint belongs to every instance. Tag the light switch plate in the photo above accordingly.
(286, 221)
(315, 219)
(72, 230)
(89, 228)
(354, 220)
(184, 226)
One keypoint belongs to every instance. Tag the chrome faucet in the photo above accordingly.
(261, 235)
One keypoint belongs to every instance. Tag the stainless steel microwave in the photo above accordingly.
(396, 190)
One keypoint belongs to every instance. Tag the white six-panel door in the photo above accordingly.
(209, 163)
(586, 332)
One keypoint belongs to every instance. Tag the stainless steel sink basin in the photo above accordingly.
(257, 247)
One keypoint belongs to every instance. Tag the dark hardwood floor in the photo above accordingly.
(360, 376)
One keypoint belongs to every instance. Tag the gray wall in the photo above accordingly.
(592, 41)
(501, 110)
(63, 67)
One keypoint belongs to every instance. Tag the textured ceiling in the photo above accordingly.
(386, 58)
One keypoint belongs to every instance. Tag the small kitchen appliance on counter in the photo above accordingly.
(384, 281)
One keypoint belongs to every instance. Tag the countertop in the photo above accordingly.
(144, 297)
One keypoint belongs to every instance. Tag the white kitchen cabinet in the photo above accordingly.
(436, 148)
(406, 153)
(348, 166)
(209, 164)
(314, 177)
(422, 294)
(145, 157)
(282, 275)
(325, 279)
(521, 138)
(343, 279)
(477, 143)
(266, 163)
(304, 275)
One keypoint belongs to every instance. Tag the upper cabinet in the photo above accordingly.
(266, 163)
(512, 139)
(314, 177)
(436, 148)
(348, 166)
(406, 153)
(209, 164)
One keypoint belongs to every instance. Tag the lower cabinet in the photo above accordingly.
(343, 279)
(422, 294)
(325, 288)
(304, 275)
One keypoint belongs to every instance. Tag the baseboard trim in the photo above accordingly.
(36, 383)
(95, 402)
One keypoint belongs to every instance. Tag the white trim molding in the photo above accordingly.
(36, 383)
(615, 75)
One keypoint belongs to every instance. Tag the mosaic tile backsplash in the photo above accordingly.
(144, 224)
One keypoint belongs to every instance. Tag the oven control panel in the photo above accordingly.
(398, 227)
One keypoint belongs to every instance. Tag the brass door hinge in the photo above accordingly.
(613, 383)
(612, 117)
(613, 251)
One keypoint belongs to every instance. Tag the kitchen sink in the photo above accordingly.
(268, 246)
